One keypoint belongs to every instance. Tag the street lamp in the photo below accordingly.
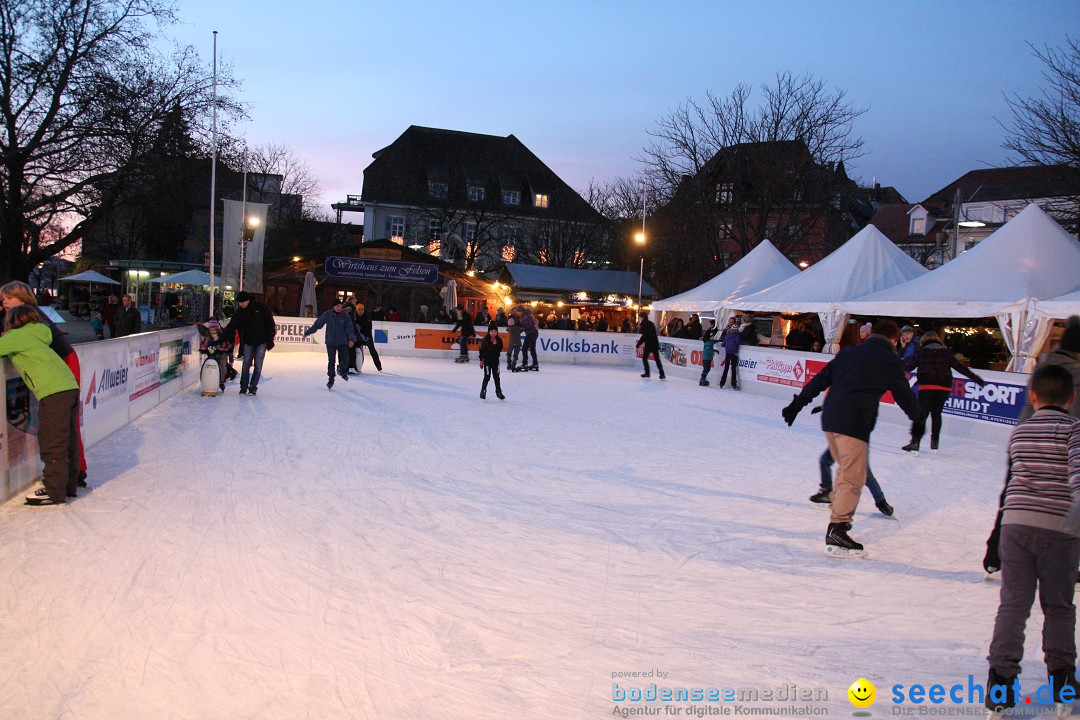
(639, 238)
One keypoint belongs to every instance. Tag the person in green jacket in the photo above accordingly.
(26, 341)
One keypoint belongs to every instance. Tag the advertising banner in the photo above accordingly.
(780, 368)
(104, 382)
(997, 402)
(289, 334)
(434, 339)
(170, 360)
(351, 268)
(143, 365)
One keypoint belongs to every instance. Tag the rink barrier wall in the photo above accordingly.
(987, 413)
(120, 379)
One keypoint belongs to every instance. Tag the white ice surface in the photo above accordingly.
(398, 548)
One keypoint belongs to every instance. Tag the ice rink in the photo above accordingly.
(400, 549)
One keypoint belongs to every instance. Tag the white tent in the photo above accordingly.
(1060, 307)
(763, 267)
(866, 263)
(188, 277)
(1031, 256)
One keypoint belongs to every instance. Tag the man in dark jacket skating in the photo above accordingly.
(255, 324)
(856, 379)
(465, 323)
(649, 344)
(340, 336)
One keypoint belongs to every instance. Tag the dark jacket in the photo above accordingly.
(514, 331)
(693, 330)
(1071, 362)
(255, 324)
(60, 344)
(466, 324)
(934, 364)
(648, 336)
(340, 329)
(490, 351)
(732, 343)
(128, 321)
(363, 327)
(856, 379)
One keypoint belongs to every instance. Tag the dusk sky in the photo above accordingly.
(580, 83)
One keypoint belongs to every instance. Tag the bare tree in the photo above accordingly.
(1046, 130)
(83, 94)
(728, 173)
(299, 186)
(564, 239)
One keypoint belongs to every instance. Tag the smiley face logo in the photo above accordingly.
(862, 693)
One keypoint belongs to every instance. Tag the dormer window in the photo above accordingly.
(438, 189)
(476, 193)
(511, 197)
(540, 200)
(724, 193)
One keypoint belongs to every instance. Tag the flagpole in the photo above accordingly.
(243, 222)
(213, 180)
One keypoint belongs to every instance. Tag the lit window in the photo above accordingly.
(397, 226)
(470, 250)
(724, 192)
(509, 252)
(476, 193)
(543, 256)
(434, 247)
(398, 239)
(578, 259)
(511, 197)
(438, 189)
(541, 201)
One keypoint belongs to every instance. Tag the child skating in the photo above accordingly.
(491, 348)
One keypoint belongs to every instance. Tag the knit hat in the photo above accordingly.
(1070, 339)
(494, 327)
(214, 325)
(337, 301)
(243, 296)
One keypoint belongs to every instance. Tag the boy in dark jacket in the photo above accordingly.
(491, 348)
(649, 344)
(856, 379)
(465, 323)
(1038, 547)
(340, 336)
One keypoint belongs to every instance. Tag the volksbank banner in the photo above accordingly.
(351, 268)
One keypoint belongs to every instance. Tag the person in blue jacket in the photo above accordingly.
(340, 336)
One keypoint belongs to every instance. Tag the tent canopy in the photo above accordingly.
(188, 277)
(1060, 307)
(90, 276)
(866, 263)
(762, 267)
(1031, 256)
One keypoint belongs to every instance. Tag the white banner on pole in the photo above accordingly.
(232, 233)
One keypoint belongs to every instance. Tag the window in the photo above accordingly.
(511, 197)
(476, 193)
(724, 193)
(438, 189)
(397, 228)
(434, 247)
(509, 252)
(541, 200)
(470, 232)
(436, 229)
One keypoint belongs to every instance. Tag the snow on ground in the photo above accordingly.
(398, 548)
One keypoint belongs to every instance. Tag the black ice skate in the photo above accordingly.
(821, 499)
(839, 544)
(884, 508)
(911, 447)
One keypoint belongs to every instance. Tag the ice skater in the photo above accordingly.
(215, 346)
(708, 350)
(1038, 545)
(513, 329)
(465, 324)
(823, 497)
(491, 348)
(532, 332)
(856, 379)
(26, 341)
(649, 344)
(340, 336)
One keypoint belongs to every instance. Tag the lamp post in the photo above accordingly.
(640, 239)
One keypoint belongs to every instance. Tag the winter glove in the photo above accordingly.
(792, 410)
(816, 410)
(270, 345)
(982, 383)
(992, 561)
